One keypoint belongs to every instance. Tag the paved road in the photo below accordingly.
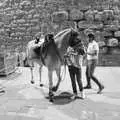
(23, 101)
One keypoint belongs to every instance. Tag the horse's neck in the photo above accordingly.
(63, 43)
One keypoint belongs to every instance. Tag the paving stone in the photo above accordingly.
(16, 106)
(13, 105)
(7, 117)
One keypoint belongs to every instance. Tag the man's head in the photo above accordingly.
(91, 37)
(79, 47)
(38, 35)
(75, 42)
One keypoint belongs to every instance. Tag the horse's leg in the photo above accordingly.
(50, 85)
(59, 79)
(31, 69)
(40, 75)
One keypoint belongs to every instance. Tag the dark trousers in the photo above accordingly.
(75, 75)
(90, 68)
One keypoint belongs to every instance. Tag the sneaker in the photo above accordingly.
(82, 95)
(32, 82)
(88, 87)
(74, 96)
(100, 90)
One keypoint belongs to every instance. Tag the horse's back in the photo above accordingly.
(52, 55)
(32, 44)
(33, 49)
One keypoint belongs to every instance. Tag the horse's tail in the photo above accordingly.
(63, 74)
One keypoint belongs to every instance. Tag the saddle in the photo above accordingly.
(42, 50)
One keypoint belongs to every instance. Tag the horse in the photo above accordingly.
(53, 59)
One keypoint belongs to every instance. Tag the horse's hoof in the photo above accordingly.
(41, 85)
(51, 100)
(32, 82)
(51, 96)
(54, 89)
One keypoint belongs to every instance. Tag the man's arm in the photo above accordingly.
(92, 54)
(94, 51)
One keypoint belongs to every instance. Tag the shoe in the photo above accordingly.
(32, 82)
(82, 95)
(74, 96)
(100, 90)
(88, 87)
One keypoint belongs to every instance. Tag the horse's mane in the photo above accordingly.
(64, 33)
(61, 32)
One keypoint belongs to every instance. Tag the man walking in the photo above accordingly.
(92, 59)
(74, 61)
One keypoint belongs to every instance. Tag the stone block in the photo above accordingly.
(98, 16)
(101, 43)
(111, 27)
(60, 16)
(108, 15)
(107, 34)
(117, 17)
(21, 21)
(116, 10)
(89, 16)
(85, 25)
(112, 42)
(117, 34)
(25, 5)
(76, 14)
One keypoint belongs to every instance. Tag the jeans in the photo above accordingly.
(90, 68)
(75, 75)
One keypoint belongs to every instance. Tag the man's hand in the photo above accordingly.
(66, 55)
(92, 54)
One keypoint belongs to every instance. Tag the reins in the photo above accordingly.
(62, 61)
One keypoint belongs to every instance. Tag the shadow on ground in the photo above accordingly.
(62, 98)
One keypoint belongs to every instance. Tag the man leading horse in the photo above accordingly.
(54, 56)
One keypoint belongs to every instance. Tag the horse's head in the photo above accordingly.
(73, 38)
(66, 38)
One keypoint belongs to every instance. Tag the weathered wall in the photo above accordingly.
(20, 20)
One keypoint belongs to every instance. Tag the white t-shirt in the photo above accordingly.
(92, 47)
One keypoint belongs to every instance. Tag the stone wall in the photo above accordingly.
(20, 20)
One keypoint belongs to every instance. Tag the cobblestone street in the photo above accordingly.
(23, 101)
